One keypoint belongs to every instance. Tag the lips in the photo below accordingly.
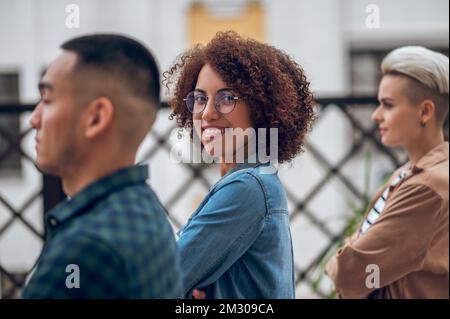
(37, 141)
(383, 130)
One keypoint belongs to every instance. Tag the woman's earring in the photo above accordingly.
(423, 123)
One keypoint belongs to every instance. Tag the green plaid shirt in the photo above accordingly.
(111, 240)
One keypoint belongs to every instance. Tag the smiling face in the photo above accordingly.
(55, 118)
(213, 123)
(397, 118)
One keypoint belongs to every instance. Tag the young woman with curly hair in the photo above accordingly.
(237, 244)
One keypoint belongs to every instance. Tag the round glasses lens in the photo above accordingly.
(189, 100)
(225, 101)
(195, 102)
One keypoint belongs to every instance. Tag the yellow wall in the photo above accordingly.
(203, 25)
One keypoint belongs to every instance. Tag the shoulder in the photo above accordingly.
(433, 181)
(259, 182)
(138, 197)
(131, 222)
(133, 210)
(436, 178)
(247, 180)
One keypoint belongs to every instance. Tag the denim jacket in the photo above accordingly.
(237, 244)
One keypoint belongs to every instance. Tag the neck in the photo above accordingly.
(92, 170)
(225, 167)
(420, 148)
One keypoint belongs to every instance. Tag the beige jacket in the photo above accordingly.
(409, 242)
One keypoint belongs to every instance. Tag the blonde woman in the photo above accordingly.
(401, 248)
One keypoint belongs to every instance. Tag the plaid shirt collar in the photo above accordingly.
(92, 193)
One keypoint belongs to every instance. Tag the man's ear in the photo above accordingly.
(427, 111)
(99, 117)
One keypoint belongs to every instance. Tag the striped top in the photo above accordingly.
(377, 209)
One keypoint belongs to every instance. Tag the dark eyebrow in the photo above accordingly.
(200, 90)
(220, 90)
(225, 89)
(387, 100)
(45, 86)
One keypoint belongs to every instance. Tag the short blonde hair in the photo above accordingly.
(428, 68)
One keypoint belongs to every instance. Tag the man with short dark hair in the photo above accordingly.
(111, 238)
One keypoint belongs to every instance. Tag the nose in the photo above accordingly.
(210, 112)
(377, 115)
(35, 120)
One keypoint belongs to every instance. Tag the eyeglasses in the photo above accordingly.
(224, 101)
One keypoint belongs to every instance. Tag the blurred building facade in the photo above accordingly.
(339, 50)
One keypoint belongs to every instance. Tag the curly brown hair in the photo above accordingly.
(272, 84)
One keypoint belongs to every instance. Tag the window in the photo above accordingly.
(208, 17)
